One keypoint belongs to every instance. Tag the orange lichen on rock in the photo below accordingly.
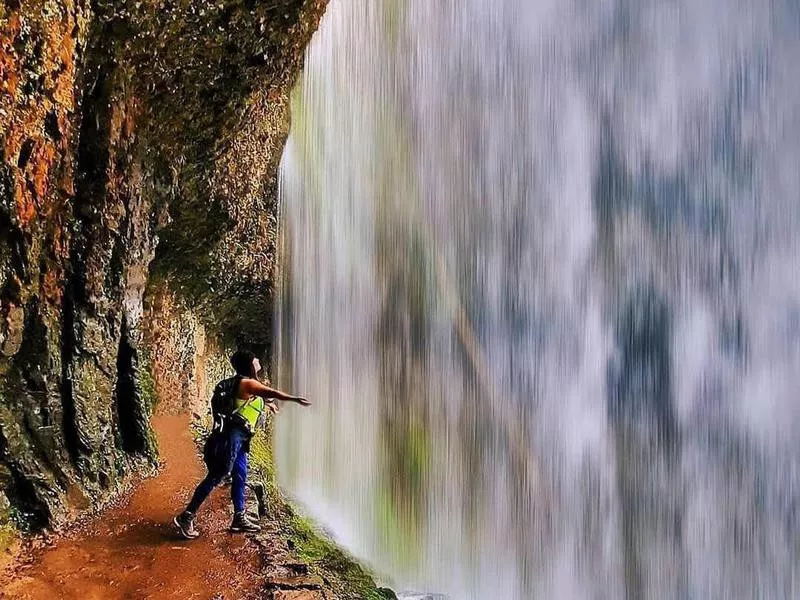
(65, 72)
(40, 172)
(23, 200)
(9, 74)
(53, 286)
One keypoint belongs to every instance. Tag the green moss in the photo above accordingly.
(311, 546)
(261, 458)
(8, 536)
(346, 576)
(399, 537)
(146, 382)
(401, 501)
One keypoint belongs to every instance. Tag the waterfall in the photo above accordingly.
(541, 278)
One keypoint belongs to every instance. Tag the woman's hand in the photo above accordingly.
(302, 401)
(273, 407)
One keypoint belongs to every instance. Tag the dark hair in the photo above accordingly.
(242, 361)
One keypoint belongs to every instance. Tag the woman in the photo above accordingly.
(248, 399)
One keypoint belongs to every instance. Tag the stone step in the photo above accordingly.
(297, 582)
(297, 595)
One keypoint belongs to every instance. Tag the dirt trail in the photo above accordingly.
(131, 551)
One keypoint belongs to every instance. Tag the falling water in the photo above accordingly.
(542, 281)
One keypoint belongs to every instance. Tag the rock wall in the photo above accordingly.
(185, 359)
(139, 144)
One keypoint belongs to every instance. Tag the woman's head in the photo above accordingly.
(245, 363)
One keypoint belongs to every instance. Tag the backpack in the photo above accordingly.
(217, 453)
(223, 402)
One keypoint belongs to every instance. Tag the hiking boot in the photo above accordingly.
(242, 524)
(184, 522)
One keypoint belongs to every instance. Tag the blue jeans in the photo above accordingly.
(238, 464)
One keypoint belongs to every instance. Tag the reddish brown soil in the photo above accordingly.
(132, 552)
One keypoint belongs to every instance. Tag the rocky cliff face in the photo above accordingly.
(139, 144)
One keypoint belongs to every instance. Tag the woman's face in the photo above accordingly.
(256, 367)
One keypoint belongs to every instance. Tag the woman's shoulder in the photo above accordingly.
(243, 392)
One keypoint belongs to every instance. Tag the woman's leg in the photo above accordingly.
(240, 521)
(202, 491)
(239, 480)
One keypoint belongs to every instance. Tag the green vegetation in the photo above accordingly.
(346, 576)
(8, 536)
(398, 533)
(311, 546)
(401, 500)
(262, 461)
(147, 389)
(146, 382)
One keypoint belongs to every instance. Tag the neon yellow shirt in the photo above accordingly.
(250, 410)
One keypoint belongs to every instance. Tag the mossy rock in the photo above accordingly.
(310, 545)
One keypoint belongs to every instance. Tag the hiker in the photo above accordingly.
(237, 406)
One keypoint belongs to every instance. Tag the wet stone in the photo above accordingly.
(297, 595)
(11, 331)
(304, 582)
(300, 568)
